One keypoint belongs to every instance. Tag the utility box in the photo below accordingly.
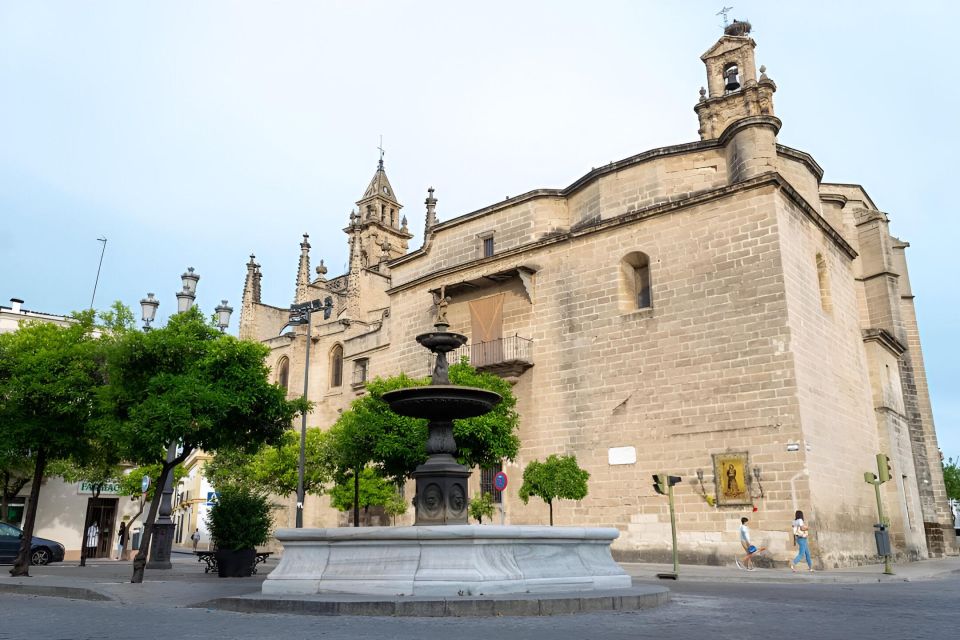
(135, 539)
(882, 536)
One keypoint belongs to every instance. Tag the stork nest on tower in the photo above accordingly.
(737, 28)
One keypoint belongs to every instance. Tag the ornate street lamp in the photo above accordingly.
(189, 293)
(162, 544)
(223, 315)
(148, 308)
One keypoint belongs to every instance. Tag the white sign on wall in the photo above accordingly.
(622, 455)
(108, 488)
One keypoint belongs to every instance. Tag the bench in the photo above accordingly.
(210, 558)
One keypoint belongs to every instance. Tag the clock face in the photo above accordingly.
(386, 191)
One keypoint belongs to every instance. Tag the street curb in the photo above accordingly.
(634, 599)
(54, 591)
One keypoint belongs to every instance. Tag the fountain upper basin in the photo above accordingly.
(442, 402)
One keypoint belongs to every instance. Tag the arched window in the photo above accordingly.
(823, 281)
(283, 372)
(336, 366)
(635, 282)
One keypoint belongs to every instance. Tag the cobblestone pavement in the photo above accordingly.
(915, 610)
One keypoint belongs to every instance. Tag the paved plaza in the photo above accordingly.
(918, 602)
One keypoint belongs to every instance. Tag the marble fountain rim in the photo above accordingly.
(492, 533)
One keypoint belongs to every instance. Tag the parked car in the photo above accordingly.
(42, 551)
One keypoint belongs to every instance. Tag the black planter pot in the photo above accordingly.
(235, 563)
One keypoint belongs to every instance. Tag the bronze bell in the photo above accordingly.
(730, 76)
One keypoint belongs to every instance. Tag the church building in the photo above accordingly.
(710, 310)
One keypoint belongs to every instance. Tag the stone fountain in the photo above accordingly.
(441, 555)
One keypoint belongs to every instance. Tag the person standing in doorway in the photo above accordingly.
(195, 536)
(121, 540)
(800, 533)
(93, 539)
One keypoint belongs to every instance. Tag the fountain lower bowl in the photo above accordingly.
(442, 402)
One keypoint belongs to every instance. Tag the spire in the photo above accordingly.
(251, 298)
(379, 202)
(303, 272)
(251, 287)
(357, 263)
(431, 203)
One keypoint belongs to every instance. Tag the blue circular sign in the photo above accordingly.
(500, 481)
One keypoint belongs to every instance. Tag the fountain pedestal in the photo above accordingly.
(442, 496)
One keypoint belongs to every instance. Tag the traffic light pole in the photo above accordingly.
(887, 568)
(884, 474)
(673, 529)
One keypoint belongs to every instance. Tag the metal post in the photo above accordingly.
(303, 428)
(887, 569)
(673, 528)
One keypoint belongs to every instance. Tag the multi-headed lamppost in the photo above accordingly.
(162, 544)
(302, 314)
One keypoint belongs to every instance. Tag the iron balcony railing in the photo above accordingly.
(494, 352)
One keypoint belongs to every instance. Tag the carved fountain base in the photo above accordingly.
(445, 561)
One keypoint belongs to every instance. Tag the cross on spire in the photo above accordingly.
(381, 151)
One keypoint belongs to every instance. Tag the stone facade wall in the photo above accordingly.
(706, 370)
(840, 428)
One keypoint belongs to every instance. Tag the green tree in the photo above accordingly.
(49, 376)
(557, 477)
(274, 468)
(370, 433)
(369, 490)
(189, 385)
(951, 478)
(481, 507)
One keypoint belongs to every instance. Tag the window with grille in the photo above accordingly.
(486, 482)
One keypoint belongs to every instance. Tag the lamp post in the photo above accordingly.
(223, 315)
(302, 314)
(161, 544)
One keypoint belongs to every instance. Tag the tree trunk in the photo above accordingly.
(550, 504)
(140, 562)
(22, 565)
(4, 505)
(83, 535)
(356, 499)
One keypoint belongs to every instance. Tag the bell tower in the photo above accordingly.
(378, 232)
(734, 91)
(736, 108)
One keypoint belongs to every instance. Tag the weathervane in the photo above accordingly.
(723, 12)
(381, 151)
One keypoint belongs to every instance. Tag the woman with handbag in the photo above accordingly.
(800, 533)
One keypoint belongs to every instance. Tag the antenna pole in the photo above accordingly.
(97, 281)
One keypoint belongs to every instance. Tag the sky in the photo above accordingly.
(196, 133)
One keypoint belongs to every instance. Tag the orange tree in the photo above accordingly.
(190, 385)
